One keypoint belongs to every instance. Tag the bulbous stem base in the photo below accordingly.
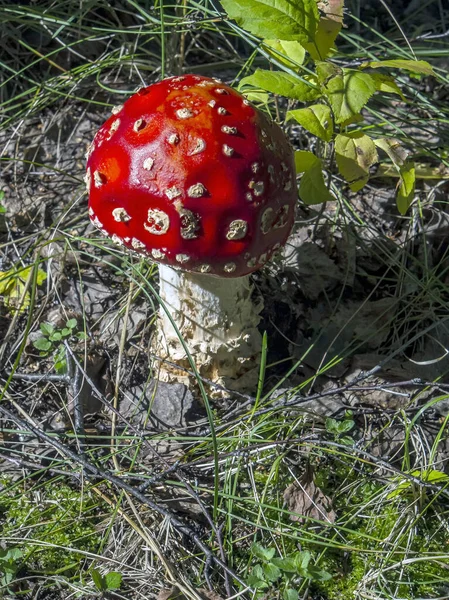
(218, 319)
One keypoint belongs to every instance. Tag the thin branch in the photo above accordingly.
(93, 472)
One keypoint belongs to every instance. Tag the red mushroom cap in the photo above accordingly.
(188, 172)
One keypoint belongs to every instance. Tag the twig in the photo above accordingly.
(74, 375)
(432, 36)
(92, 471)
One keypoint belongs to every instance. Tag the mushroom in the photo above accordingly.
(190, 174)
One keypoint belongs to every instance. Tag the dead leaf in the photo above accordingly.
(305, 499)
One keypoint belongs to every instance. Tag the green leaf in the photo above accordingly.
(317, 574)
(348, 92)
(406, 190)
(113, 580)
(258, 572)
(392, 147)
(98, 580)
(387, 85)
(47, 328)
(331, 425)
(10, 554)
(42, 344)
(346, 440)
(288, 564)
(317, 119)
(271, 571)
(415, 66)
(302, 560)
(282, 84)
(275, 19)
(291, 54)
(329, 26)
(355, 154)
(256, 583)
(66, 332)
(71, 323)
(262, 553)
(257, 97)
(61, 366)
(55, 337)
(290, 594)
(2, 209)
(312, 189)
(326, 70)
(305, 160)
(9, 564)
(431, 475)
(338, 427)
(345, 426)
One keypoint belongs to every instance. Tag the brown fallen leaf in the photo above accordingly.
(305, 499)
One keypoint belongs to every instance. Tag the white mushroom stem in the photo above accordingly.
(218, 319)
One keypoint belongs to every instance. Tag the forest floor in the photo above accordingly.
(103, 471)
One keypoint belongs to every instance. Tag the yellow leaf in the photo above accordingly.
(6, 282)
(291, 54)
(393, 148)
(415, 66)
(355, 154)
(329, 26)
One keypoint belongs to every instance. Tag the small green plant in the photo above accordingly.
(406, 487)
(338, 428)
(53, 523)
(283, 574)
(108, 582)
(10, 561)
(299, 37)
(51, 342)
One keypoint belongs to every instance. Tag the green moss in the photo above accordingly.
(51, 525)
(387, 544)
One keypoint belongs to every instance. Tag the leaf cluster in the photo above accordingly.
(107, 582)
(300, 38)
(51, 341)
(283, 573)
(50, 526)
(338, 427)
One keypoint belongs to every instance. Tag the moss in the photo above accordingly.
(56, 514)
(391, 539)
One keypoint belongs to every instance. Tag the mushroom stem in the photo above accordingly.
(218, 320)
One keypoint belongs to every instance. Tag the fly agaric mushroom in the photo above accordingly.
(189, 173)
